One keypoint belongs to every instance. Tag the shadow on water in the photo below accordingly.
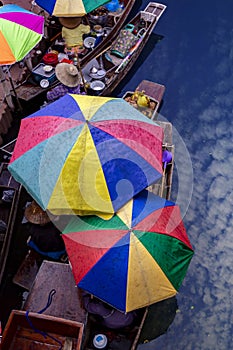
(159, 318)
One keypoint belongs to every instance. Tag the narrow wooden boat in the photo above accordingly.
(35, 331)
(9, 199)
(129, 338)
(110, 27)
(56, 275)
(114, 23)
(153, 91)
(28, 90)
(115, 67)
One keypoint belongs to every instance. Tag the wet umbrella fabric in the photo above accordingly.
(135, 259)
(70, 8)
(87, 155)
(20, 32)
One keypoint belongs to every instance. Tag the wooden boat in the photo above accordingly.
(114, 24)
(115, 21)
(8, 209)
(36, 331)
(58, 275)
(155, 94)
(116, 68)
(28, 90)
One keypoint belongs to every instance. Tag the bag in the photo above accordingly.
(126, 39)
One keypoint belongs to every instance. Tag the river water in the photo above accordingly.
(194, 60)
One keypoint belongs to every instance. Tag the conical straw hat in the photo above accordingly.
(36, 215)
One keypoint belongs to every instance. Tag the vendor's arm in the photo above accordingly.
(56, 92)
(95, 307)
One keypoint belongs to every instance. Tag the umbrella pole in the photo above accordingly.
(133, 347)
(80, 71)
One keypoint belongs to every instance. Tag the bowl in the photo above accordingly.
(47, 68)
(89, 42)
(97, 86)
(50, 59)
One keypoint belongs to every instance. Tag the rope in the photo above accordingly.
(44, 334)
(49, 302)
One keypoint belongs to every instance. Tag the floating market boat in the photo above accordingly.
(59, 275)
(151, 95)
(51, 332)
(114, 23)
(30, 90)
(105, 72)
(35, 284)
(9, 200)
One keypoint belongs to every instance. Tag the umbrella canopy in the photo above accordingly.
(135, 259)
(20, 31)
(87, 155)
(70, 8)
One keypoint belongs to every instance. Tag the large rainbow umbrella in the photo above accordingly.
(70, 8)
(138, 257)
(87, 155)
(20, 32)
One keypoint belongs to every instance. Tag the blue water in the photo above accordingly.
(194, 60)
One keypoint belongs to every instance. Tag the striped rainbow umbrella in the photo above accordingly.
(20, 32)
(70, 8)
(138, 257)
(87, 155)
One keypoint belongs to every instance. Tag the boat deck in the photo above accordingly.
(65, 302)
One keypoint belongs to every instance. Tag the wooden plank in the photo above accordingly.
(8, 214)
(28, 269)
(27, 92)
(6, 178)
(66, 303)
(167, 127)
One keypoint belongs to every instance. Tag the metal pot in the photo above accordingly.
(99, 16)
(97, 86)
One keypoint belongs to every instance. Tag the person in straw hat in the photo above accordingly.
(44, 237)
(69, 78)
(36, 215)
(72, 33)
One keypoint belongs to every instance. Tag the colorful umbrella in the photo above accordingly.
(87, 155)
(20, 31)
(135, 259)
(70, 8)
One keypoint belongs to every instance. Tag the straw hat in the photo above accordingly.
(70, 22)
(36, 215)
(67, 74)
